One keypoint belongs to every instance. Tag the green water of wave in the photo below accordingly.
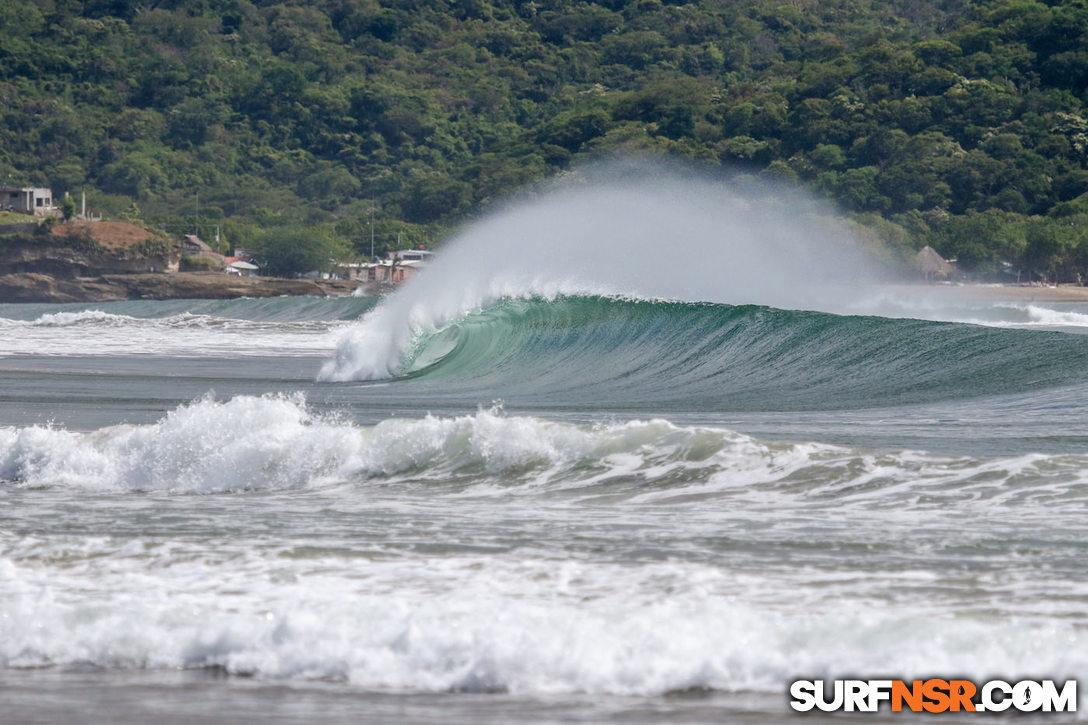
(701, 356)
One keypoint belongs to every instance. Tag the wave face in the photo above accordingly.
(711, 357)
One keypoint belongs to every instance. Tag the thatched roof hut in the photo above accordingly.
(195, 245)
(931, 264)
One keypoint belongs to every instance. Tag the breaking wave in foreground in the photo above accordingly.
(275, 443)
(495, 613)
(536, 626)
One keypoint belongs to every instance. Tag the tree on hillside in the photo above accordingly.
(292, 250)
(281, 114)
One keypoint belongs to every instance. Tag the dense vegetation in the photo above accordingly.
(955, 123)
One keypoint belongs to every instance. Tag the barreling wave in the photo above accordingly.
(563, 300)
(623, 353)
(639, 231)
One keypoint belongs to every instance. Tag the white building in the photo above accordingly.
(414, 255)
(399, 267)
(26, 199)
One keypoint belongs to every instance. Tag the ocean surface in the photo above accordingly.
(498, 497)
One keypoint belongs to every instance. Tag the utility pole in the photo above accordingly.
(371, 233)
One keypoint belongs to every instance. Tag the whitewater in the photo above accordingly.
(629, 450)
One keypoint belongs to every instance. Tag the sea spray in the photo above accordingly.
(637, 231)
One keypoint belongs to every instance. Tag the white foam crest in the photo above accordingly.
(67, 319)
(955, 304)
(275, 442)
(91, 317)
(524, 625)
(245, 443)
(1014, 317)
(843, 478)
(374, 349)
(1056, 318)
(93, 332)
(650, 234)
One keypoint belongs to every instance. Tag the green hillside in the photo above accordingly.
(957, 124)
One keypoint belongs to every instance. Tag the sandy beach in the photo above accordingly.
(996, 292)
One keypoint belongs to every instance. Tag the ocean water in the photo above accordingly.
(507, 493)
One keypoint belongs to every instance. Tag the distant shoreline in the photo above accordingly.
(43, 288)
(998, 292)
(33, 287)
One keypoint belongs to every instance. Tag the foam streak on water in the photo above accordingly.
(232, 328)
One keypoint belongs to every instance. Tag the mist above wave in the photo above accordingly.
(633, 230)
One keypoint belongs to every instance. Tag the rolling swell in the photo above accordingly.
(702, 356)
